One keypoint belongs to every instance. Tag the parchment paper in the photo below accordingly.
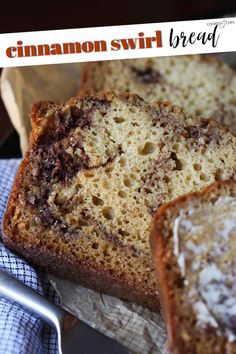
(21, 87)
(140, 330)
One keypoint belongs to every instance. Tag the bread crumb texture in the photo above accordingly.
(99, 169)
(201, 85)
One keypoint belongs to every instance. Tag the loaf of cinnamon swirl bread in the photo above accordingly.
(96, 170)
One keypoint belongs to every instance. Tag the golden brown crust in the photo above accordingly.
(64, 264)
(85, 81)
(61, 261)
(162, 263)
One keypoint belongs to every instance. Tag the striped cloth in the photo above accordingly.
(20, 331)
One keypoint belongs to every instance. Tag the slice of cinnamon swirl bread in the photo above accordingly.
(96, 170)
(194, 251)
(201, 85)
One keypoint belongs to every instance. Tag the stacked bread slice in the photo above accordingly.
(201, 85)
(97, 168)
(100, 166)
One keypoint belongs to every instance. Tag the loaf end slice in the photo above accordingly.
(96, 170)
(193, 245)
